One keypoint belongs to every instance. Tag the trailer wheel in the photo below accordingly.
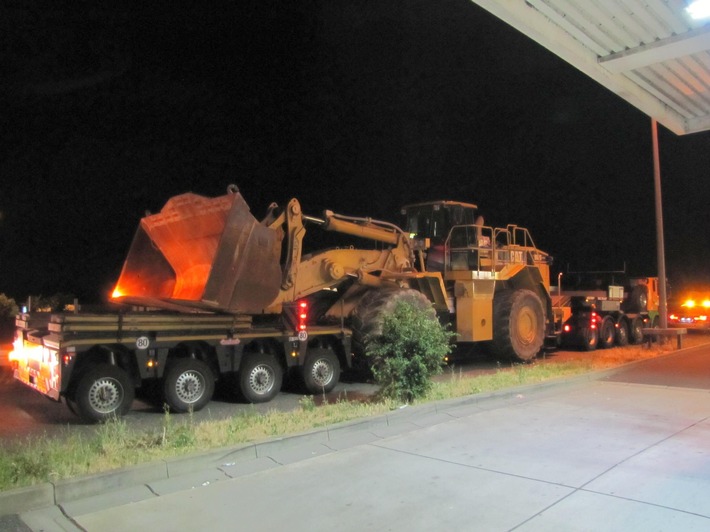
(518, 325)
(260, 377)
(590, 338)
(635, 332)
(606, 333)
(188, 384)
(321, 370)
(368, 317)
(104, 392)
(622, 333)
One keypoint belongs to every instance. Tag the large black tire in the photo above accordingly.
(321, 370)
(368, 316)
(606, 332)
(637, 300)
(589, 338)
(188, 383)
(635, 331)
(622, 333)
(518, 325)
(104, 392)
(260, 377)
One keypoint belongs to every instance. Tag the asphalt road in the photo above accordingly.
(689, 368)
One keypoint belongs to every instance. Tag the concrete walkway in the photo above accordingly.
(586, 454)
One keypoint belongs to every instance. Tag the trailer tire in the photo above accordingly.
(518, 325)
(368, 317)
(635, 331)
(260, 377)
(622, 333)
(104, 392)
(321, 370)
(606, 333)
(188, 384)
(590, 338)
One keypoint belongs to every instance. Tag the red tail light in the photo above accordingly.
(302, 315)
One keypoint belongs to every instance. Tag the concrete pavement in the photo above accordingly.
(586, 454)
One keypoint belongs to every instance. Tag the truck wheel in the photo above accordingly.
(369, 315)
(590, 338)
(518, 325)
(260, 377)
(635, 333)
(622, 333)
(188, 383)
(606, 333)
(104, 392)
(321, 370)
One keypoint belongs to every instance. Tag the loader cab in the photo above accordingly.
(428, 225)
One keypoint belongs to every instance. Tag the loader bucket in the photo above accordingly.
(203, 254)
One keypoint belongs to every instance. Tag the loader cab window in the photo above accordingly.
(434, 221)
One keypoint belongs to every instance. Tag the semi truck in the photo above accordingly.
(603, 309)
(208, 292)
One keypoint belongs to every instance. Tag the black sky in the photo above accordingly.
(354, 106)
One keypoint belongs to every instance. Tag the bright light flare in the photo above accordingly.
(22, 353)
(699, 9)
(692, 303)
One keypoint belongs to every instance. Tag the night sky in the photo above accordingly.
(354, 106)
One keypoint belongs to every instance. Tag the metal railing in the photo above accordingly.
(484, 248)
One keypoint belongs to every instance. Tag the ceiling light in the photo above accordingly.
(699, 9)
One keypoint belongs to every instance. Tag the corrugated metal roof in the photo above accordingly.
(649, 52)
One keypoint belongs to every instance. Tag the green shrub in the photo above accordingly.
(8, 311)
(411, 349)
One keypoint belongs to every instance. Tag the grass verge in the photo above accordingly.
(115, 445)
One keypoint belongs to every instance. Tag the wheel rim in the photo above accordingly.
(105, 395)
(322, 372)
(190, 386)
(261, 379)
(527, 326)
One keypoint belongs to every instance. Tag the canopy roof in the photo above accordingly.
(649, 52)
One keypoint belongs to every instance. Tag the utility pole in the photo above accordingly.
(663, 310)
